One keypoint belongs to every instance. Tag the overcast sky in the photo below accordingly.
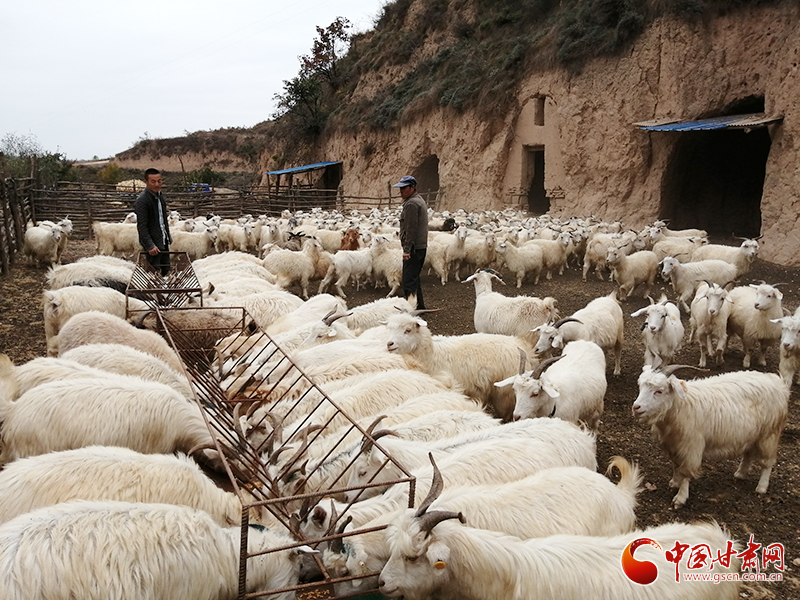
(91, 77)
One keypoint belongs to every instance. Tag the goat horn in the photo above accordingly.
(367, 443)
(253, 408)
(337, 544)
(560, 322)
(304, 444)
(138, 322)
(205, 446)
(330, 318)
(374, 424)
(537, 372)
(332, 521)
(437, 484)
(779, 284)
(430, 520)
(420, 311)
(237, 419)
(285, 477)
(670, 369)
(273, 458)
(523, 359)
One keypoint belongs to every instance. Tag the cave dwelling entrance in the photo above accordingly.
(714, 177)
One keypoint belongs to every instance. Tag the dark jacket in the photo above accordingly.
(414, 224)
(146, 209)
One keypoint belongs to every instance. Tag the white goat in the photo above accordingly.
(474, 361)
(95, 272)
(527, 259)
(661, 229)
(433, 557)
(633, 270)
(115, 239)
(290, 267)
(369, 466)
(197, 244)
(572, 389)
(554, 253)
(735, 414)
(597, 247)
(137, 551)
(479, 250)
(41, 245)
(372, 314)
(662, 331)
(62, 304)
(124, 411)
(710, 310)
(124, 360)
(112, 473)
(516, 315)
(600, 322)
(387, 264)
(790, 356)
(742, 257)
(685, 277)
(95, 327)
(752, 312)
(347, 265)
(234, 237)
(679, 247)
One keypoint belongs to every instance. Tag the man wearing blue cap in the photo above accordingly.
(413, 236)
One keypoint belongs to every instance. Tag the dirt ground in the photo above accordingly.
(772, 518)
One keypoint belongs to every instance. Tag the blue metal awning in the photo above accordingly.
(750, 121)
(304, 168)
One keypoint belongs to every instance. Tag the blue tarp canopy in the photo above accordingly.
(304, 168)
(750, 121)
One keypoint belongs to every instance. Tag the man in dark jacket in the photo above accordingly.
(151, 222)
(413, 236)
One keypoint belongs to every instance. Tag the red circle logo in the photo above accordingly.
(642, 572)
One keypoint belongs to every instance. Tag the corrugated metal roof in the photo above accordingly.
(749, 121)
(319, 165)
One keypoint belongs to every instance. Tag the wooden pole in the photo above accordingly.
(6, 245)
(15, 204)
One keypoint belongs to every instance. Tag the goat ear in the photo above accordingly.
(319, 514)
(679, 387)
(640, 312)
(551, 390)
(506, 382)
(438, 554)
(558, 341)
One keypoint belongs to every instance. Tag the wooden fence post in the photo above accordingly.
(17, 209)
(7, 245)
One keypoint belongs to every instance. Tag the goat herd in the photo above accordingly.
(501, 426)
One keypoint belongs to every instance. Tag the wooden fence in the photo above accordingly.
(15, 206)
(84, 203)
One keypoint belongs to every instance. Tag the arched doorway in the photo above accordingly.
(538, 202)
(427, 176)
(714, 179)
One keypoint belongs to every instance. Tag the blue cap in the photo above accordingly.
(405, 181)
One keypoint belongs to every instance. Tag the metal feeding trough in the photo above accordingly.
(282, 441)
